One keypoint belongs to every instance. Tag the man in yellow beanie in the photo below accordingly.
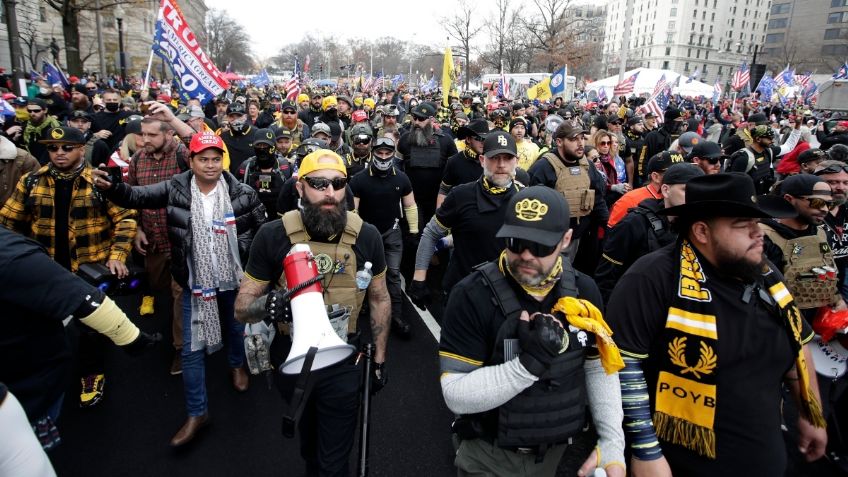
(342, 245)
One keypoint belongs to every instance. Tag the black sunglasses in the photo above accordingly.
(818, 203)
(711, 160)
(361, 141)
(65, 147)
(34, 111)
(832, 169)
(518, 246)
(289, 111)
(320, 183)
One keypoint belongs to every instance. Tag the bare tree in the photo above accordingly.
(227, 42)
(554, 33)
(28, 33)
(461, 28)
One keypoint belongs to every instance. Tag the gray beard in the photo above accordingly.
(421, 136)
(323, 223)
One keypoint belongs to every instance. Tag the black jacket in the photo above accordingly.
(828, 140)
(656, 142)
(175, 194)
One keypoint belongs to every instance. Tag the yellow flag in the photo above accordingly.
(540, 91)
(448, 77)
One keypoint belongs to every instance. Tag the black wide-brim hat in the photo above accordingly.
(730, 194)
(477, 127)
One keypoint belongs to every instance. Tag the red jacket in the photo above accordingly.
(789, 162)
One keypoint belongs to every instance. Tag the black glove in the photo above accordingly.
(379, 377)
(278, 306)
(541, 342)
(142, 344)
(419, 293)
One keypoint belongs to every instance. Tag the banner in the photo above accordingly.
(448, 77)
(558, 81)
(175, 43)
(540, 91)
(54, 75)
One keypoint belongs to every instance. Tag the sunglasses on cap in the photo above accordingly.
(321, 183)
(64, 147)
(832, 169)
(518, 246)
(818, 203)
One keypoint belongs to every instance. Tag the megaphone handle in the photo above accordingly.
(302, 390)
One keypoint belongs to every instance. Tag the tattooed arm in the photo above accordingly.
(250, 302)
(380, 303)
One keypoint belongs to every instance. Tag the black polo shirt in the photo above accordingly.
(114, 123)
(379, 195)
(473, 217)
(753, 351)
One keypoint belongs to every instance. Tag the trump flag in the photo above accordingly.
(176, 44)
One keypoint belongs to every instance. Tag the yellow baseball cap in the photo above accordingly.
(311, 162)
(329, 102)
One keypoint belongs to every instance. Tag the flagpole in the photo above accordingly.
(147, 73)
(733, 104)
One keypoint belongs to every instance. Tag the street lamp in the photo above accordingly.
(119, 16)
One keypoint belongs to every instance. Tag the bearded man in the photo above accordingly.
(342, 244)
(425, 151)
(472, 212)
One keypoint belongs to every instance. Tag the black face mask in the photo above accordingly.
(113, 107)
(264, 158)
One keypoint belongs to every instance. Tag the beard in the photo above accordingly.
(81, 103)
(739, 267)
(498, 181)
(322, 222)
(421, 136)
(527, 279)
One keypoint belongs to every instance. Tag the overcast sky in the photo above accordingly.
(272, 25)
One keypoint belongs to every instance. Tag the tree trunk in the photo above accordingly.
(70, 32)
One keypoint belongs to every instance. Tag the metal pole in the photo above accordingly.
(100, 48)
(16, 54)
(625, 39)
(121, 50)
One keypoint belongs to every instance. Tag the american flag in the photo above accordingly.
(503, 87)
(785, 78)
(657, 105)
(741, 77)
(717, 90)
(292, 87)
(625, 87)
(803, 79)
(661, 84)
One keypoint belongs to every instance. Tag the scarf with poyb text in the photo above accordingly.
(686, 386)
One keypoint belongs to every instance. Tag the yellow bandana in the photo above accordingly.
(586, 316)
(542, 289)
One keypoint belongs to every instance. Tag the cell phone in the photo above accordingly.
(116, 175)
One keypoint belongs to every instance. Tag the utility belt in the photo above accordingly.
(468, 428)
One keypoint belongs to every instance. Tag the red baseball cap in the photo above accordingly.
(205, 140)
(842, 124)
(359, 116)
(163, 97)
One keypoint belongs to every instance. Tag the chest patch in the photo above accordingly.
(324, 263)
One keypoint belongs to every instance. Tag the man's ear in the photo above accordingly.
(299, 187)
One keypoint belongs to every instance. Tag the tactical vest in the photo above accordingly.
(337, 262)
(574, 184)
(429, 157)
(805, 275)
(760, 169)
(553, 409)
(659, 236)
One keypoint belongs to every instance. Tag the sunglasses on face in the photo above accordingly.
(34, 111)
(321, 184)
(604, 143)
(99, 108)
(518, 246)
(64, 147)
(288, 111)
(711, 160)
(817, 203)
(361, 141)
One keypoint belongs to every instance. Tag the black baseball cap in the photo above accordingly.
(800, 185)
(80, 114)
(705, 150)
(62, 135)
(424, 110)
(811, 155)
(38, 102)
(288, 105)
(236, 108)
(517, 120)
(680, 173)
(538, 213)
(499, 142)
(264, 136)
(477, 127)
(663, 160)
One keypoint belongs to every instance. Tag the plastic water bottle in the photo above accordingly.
(363, 277)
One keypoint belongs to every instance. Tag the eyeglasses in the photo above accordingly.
(518, 246)
(65, 147)
(817, 203)
(320, 183)
(711, 160)
(289, 111)
(478, 138)
(604, 143)
(416, 118)
(34, 111)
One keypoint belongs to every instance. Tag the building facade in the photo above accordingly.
(809, 35)
(710, 36)
(588, 22)
(40, 28)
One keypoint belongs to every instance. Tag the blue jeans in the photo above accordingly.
(194, 362)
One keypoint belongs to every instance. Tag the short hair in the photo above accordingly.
(163, 126)
(113, 91)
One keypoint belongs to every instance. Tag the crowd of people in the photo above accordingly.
(678, 282)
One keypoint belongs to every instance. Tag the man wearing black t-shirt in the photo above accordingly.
(708, 332)
(472, 213)
(110, 124)
(341, 244)
(464, 166)
(835, 173)
(383, 195)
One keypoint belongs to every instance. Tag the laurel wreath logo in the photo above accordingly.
(706, 362)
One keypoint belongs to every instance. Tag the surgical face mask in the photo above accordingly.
(113, 107)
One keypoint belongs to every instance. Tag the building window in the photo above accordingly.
(668, 51)
(836, 50)
(669, 38)
(839, 17)
(835, 33)
(780, 8)
(778, 23)
(838, 3)
(674, 11)
(707, 54)
(712, 17)
(719, 70)
(686, 66)
(42, 13)
(697, 53)
(775, 37)
(671, 25)
(665, 65)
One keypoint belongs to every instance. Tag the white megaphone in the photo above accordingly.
(310, 324)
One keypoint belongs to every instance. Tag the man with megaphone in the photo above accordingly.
(343, 250)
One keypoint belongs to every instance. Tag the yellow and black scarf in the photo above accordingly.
(686, 387)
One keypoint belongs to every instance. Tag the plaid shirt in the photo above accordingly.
(146, 170)
(99, 230)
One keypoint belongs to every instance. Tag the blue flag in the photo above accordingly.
(558, 82)
(766, 87)
(54, 75)
(261, 80)
(842, 72)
